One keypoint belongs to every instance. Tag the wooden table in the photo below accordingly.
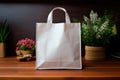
(11, 69)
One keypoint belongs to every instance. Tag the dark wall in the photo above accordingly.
(22, 16)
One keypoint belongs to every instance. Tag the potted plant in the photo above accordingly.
(25, 48)
(96, 34)
(4, 32)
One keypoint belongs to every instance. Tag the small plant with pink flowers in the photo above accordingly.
(25, 44)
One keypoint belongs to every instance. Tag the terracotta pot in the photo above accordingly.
(2, 50)
(94, 53)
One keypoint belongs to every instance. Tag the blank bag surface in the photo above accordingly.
(58, 45)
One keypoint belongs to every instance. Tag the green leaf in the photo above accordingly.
(76, 20)
(114, 30)
(4, 32)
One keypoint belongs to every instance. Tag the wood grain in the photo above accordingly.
(11, 69)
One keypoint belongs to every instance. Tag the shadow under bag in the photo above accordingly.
(58, 45)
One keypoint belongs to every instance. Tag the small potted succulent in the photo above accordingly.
(25, 48)
(96, 34)
(4, 32)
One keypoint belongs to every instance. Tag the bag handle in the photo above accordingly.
(50, 16)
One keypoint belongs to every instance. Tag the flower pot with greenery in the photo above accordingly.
(25, 48)
(96, 34)
(4, 32)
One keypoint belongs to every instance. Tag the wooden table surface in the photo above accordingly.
(11, 69)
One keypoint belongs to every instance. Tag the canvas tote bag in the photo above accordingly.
(58, 45)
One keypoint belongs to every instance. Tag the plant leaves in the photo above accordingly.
(4, 32)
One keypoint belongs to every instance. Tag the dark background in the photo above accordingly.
(22, 16)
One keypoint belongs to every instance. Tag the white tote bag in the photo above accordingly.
(58, 45)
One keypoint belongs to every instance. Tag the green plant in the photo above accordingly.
(97, 31)
(4, 32)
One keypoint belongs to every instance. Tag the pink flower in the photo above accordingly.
(25, 44)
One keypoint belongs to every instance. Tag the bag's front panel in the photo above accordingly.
(61, 46)
(58, 45)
